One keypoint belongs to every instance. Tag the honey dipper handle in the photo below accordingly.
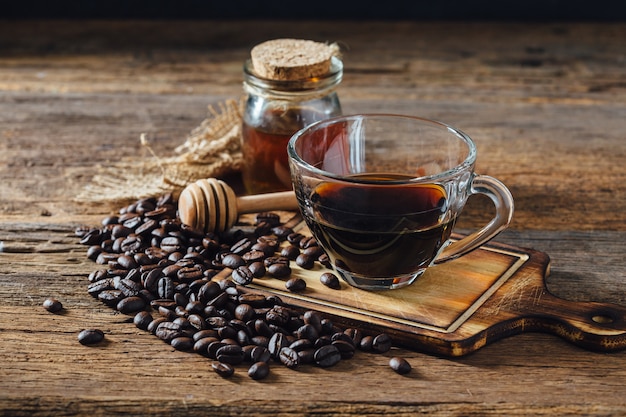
(285, 200)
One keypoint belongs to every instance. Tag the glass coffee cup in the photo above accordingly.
(381, 193)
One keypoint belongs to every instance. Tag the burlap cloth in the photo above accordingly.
(213, 149)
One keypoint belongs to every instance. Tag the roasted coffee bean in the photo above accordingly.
(306, 355)
(147, 227)
(242, 246)
(290, 251)
(127, 262)
(165, 288)
(305, 261)
(276, 343)
(314, 319)
(366, 343)
(131, 244)
(154, 324)
(327, 355)
(313, 251)
(227, 332)
(168, 330)
(279, 270)
(171, 244)
(233, 261)
(183, 343)
(282, 232)
(98, 275)
(93, 252)
(204, 333)
(346, 349)
(189, 274)
(381, 343)
(52, 305)
(257, 269)
(295, 285)
(266, 245)
(253, 299)
(301, 344)
(196, 321)
(223, 369)
(231, 354)
(253, 256)
(277, 315)
(289, 357)
(325, 261)
(400, 365)
(259, 370)
(90, 336)
(142, 320)
(244, 312)
(111, 297)
(295, 238)
(322, 341)
(128, 287)
(130, 305)
(242, 275)
(259, 354)
(201, 345)
(330, 280)
(91, 237)
(208, 291)
(307, 242)
(355, 334)
(308, 332)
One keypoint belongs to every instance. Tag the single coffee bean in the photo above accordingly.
(241, 247)
(52, 305)
(289, 357)
(130, 305)
(295, 284)
(366, 343)
(400, 365)
(259, 370)
(201, 346)
(242, 275)
(381, 343)
(233, 261)
(307, 332)
(253, 256)
(278, 315)
(111, 297)
(257, 269)
(168, 330)
(327, 355)
(305, 261)
(223, 369)
(330, 280)
(306, 355)
(314, 319)
(290, 252)
(279, 270)
(182, 343)
(259, 354)
(231, 354)
(276, 343)
(142, 319)
(90, 336)
(346, 349)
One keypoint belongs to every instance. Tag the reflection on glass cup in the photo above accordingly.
(381, 193)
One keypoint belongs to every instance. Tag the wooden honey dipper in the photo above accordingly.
(211, 205)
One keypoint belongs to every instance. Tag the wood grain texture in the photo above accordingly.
(545, 103)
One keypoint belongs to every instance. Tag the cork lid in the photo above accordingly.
(292, 59)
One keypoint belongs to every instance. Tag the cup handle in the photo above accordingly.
(502, 199)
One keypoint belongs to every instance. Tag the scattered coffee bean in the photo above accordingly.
(400, 365)
(381, 343)
(90, 336)
(52, 305)
(259, 370)
(223, 369)
(330, 280)
(327, 356)
(152, 262)
(142, 319)
(295, 284)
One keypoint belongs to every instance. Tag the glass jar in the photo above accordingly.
(274, 111)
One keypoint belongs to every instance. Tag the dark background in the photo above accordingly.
(518, 10)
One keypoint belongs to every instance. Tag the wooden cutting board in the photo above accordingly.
(460, 306)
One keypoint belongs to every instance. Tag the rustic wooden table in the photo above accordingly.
(546, 104)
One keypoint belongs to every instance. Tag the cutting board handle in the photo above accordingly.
(592, 325)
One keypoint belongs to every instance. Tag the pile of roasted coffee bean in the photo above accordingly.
(188, 288)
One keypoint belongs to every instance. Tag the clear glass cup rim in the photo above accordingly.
(466, 164)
